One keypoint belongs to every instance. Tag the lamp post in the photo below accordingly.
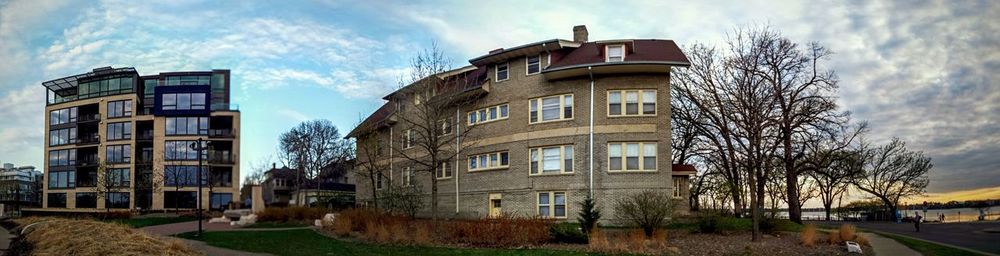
(200, 146)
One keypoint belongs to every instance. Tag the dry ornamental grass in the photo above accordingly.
(57, 236)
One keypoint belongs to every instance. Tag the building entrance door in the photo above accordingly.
(495, 205)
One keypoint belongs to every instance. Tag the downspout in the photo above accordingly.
(391, 139)
(590, 145)
(458, 147)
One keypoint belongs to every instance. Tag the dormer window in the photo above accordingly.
(615, 53)
(533, 64)
(503, 71)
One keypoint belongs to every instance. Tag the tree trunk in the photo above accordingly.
(434, 196)
(826, 207)
(791, 181)
(374, 190)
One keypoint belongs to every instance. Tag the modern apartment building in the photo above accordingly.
(120, 140)
(546, 124)
(20, 186)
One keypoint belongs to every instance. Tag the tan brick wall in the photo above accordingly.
(516, 135)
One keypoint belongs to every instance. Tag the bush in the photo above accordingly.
(382, 227)
(502, 231)
(719, 224)
(59, 236)
(847, 232)
(589, 215)
(294, 213)
(808, 235)
(772, 226)
(648, 210)
(568, 233)
(114, 215)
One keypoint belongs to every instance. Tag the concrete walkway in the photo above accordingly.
(190, 226)
(970, 236)
(886, 246)
(217, 251)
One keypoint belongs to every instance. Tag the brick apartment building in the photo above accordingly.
(547, 123)
(112, 128)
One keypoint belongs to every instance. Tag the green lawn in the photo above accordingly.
(926, 248)
(276, 225)
(308, 242)
(152, 221)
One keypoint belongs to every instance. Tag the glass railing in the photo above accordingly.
(220, 133)
(145, 135)
(225, 107)
(88, 139)
(220, 157)
(89, 117)
(87, 160)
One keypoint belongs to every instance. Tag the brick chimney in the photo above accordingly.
(580, 33)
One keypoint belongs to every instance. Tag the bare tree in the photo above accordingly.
(313, 145)
(428, 113)
(372, 158)
(110, 181)
(890, 172)
(831, 163)
(178, 177)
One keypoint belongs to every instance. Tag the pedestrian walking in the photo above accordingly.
(916, 221)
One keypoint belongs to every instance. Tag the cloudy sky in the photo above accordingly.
(919, 70)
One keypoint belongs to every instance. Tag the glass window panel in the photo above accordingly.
(494, 160)
(649, 156)
(615, 103)
(114, 84)
(534, 161)
(503, 111)
(182, 125)
(568, 108)
(632, 103)
(472, 163)
(550, 159)
(543, 198)
(504, 159)
(183, 101)
(482, 161)
(493, 113)
(198, 101)
(192, 126)
(632, 156)
(533, 110)
(169, 101)
(171, 121)
(472, 117)
(568, 158)
(550, 108)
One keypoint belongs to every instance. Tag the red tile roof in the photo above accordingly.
(639, 50)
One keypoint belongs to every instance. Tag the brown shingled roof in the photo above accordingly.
(639, 50)
(378, 116)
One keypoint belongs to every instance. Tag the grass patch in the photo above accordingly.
(308, 242)
(269, 224)
(927, 248)
(153, 221)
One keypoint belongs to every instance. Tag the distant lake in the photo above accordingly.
(950, 215)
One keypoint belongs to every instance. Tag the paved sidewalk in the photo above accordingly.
(217, 251)
(190, 226)
(886, 246)
(971, 236)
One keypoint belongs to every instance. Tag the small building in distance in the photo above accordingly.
(19, 187)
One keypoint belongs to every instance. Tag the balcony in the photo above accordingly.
(87, 160)
(88, 118)
(220, 133)
(88, 139)
(146, 135)
(220, 157)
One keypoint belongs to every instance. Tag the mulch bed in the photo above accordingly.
(739, 244)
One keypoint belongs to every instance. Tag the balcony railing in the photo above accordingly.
(88, 139)
(90, 160)
(225, 106)
(220, 157)
(88, 117)
(220, 133)
(145, 135)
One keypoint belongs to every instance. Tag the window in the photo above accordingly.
(121, 108)
(105, 87)
(63, 116)
(120, 131)
(62, 179)
(407, 176)
(503, 71)
(119, 153)
(445, 127)
(57, 200)
(489, 161)
(408, 138)
(534, 64)
(552, 204)
(180, 199)
(616, 53)
(378, 180)
(220, 201)
(181, 150)
(554, 108)
(678, 184)
(551, 160)
(181, 175)
(637, 156)
(637, 103)
(489, 114)
(222, 177)
(62, 137)
(86, 200)
(187, 126)
(116, 200)
(444, 171)
(188, 80)
(183, 101)
(66, 157)
(118, 177)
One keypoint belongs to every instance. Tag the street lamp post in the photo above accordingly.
(200, 146)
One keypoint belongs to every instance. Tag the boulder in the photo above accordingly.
(236, 214)
(218, 220)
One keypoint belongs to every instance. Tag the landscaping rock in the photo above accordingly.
(218, 220)
(236, 214)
